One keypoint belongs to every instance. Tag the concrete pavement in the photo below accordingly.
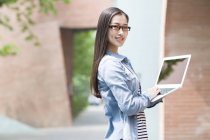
(89, 125)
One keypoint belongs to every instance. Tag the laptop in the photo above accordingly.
(171, 75)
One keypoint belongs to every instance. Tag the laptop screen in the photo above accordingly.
(172, 71)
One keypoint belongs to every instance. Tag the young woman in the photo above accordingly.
(114, 80)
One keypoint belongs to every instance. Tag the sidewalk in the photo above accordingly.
(89, 125)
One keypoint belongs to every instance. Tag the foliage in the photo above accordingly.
(8, 49)
(6, 2)
(47, 6)
(79, 103)
(24, 10)
(83, 53)
(167, 68)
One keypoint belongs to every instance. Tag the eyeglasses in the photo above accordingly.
(118, 27)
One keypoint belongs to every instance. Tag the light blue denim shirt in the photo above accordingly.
(121, 93)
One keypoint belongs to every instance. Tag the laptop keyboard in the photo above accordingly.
(165, 90)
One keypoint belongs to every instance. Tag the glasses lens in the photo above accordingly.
(117, 27)
(125, 28)
(114, 27)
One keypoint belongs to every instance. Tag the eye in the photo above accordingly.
(118, 27)
(125, 28)
(115, 27)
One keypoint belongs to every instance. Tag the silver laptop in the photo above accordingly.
(172, 74)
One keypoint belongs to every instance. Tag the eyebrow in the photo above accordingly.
(119, 23)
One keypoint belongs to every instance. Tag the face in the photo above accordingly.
(118, 32)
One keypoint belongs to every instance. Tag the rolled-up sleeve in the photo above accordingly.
(114, 76)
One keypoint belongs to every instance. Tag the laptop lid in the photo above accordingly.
(173, 71)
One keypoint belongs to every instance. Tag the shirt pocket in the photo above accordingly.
(131, 80)
(129, 75)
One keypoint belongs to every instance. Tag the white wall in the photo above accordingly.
(144, 47)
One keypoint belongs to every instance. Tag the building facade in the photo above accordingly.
(34, 85)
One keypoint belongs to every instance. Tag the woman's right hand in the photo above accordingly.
(153, 92)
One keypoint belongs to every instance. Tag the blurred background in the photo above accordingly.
(46, 50)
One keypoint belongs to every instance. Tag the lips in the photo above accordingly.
(119, 38)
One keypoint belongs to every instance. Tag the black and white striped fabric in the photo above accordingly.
(141, 120)
(141, 126)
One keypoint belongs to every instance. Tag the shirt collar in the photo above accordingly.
(117, 56)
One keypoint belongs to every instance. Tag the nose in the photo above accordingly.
(120, 31)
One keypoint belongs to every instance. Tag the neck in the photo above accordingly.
(113, 49)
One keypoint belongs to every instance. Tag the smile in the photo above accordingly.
(119, 38)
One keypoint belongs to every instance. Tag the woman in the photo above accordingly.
(114, 80)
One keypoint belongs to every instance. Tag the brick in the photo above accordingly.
(187, 112)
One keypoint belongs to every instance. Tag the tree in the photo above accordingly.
(82, 62)
(24, 10)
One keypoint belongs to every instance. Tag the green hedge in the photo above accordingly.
(82, 62)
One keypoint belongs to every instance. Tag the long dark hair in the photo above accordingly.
(101, 44)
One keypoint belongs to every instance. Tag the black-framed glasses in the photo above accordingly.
(118, 27)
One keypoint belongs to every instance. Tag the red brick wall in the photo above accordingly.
(187, 112)
(78, 14)
(33, 84)
(67, 45)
